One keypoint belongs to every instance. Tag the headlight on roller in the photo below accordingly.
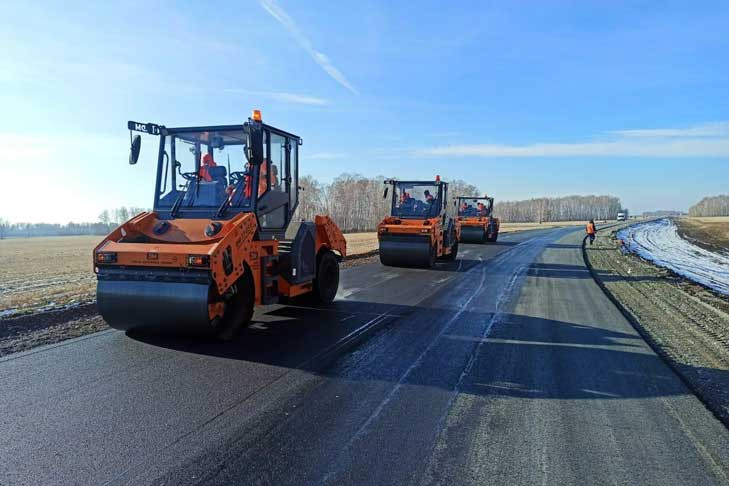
(106, 257)
(198, 260)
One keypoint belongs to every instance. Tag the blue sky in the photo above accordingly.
(523, 99)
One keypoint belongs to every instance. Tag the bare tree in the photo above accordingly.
(121, 215)
(570, 208)
(311, 198)
(460, 188)
(711, 206)
(355, 202)
(105, 218)
(136, 210)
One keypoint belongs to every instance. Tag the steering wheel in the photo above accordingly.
(189, 176)
(235, 177)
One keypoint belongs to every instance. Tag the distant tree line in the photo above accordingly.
(108, 219)
(569, 208)
(662, 213)
(711, 206)
(29, 230)
(115, 217)
(356, 204)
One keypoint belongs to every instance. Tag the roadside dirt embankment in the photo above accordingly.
(709, 233)
(685, 322)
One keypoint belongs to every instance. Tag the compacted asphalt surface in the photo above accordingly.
(506, 366)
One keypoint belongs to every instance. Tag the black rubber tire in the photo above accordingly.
(326, 282)
(238, 310)
(432, 258)
(453, 254)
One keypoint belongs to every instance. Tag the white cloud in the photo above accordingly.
(716, 129)
(708, 140)
(283, 97)
(320, 58)
(299, 99)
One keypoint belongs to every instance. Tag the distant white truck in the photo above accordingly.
(623, 215)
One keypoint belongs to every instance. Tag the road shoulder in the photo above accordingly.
(685, 323)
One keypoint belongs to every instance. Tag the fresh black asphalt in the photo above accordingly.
(507, 366)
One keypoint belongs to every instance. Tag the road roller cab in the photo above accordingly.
(476, 220)
(215, 243)
(420, 228)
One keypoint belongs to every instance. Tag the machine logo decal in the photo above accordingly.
(149, 128)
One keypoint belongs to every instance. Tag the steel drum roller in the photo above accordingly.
(181, 307)
(473, 234)
(405, 251)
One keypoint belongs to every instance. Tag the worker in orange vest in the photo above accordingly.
(207, 163)
(591, 230)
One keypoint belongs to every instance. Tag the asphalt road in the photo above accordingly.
(507, 366)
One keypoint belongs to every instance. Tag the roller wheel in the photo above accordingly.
(432, 257)
(453, 254)
(494, 237)
(326, 282)
(238, 309)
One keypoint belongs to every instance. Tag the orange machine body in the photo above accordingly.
(479, 221)
(431, 228)
(226, 255)
(214, 247)
(476, 221)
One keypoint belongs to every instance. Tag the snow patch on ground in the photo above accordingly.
(659, 242)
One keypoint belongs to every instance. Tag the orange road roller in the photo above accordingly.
(419, 229)
(476, 220)
(215, 244)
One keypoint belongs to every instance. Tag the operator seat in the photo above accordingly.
(205, 193)
(218, 173)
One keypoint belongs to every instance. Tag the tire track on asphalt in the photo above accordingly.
(518, 273)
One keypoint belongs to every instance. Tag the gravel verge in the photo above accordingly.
(32, 330)
(686, 323)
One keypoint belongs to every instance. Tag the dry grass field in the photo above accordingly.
(358, 243)
(709, 232)
(713, 219)
(56, 272)
(42, 273)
